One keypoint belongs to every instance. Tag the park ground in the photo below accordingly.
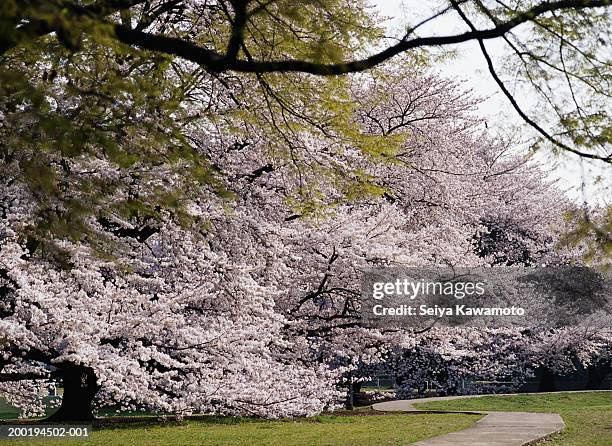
(588, 417)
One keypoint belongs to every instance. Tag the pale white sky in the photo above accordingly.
(469, 65)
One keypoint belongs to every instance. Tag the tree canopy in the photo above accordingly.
(554, 45)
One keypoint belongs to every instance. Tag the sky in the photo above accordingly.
(573, 174)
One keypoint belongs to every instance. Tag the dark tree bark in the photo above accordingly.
(80, 388)
(350, 396)
(547, 381)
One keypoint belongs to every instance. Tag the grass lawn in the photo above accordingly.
(7, 412)
(393, 429)
(588, 416)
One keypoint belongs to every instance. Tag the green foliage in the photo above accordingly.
(322, 31)
(593, 230)
(88, 130)
(79, 95)
(307, 137)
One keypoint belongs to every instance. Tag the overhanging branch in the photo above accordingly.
(218, 62)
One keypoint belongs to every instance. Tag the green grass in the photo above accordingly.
(7, 412)
(394, 429)
(588, 416)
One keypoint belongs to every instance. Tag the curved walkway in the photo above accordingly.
(495, 429)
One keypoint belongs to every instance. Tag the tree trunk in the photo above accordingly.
(350, 397)
(80, 389)
(547, 381)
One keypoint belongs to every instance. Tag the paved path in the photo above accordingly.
(495, 429)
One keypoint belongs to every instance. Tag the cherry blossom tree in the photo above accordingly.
(185, 330)
(244, 298)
